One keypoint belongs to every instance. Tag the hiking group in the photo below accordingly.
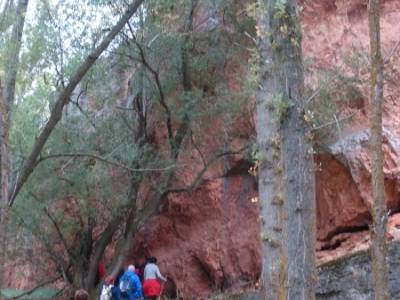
(142, 281)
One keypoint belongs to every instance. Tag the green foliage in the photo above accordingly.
(42, 293)
(280, 105)
(103, 120)
(325, 109)
(280, 8)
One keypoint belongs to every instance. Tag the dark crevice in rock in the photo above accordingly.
(331, 246)
(341, 235)
(349, 229)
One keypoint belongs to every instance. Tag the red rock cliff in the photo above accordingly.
(208, 240)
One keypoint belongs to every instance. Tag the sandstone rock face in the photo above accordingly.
(208, 240)
(353, 151)
(340, 206)
(336, 39)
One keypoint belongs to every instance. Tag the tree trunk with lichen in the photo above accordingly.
(378, 230)
(285, 160)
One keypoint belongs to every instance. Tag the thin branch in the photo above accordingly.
(125, 108)
(199, 176)
(105, 160)
(333, 122)
(76, 103)
(198, 149)
(392, 52)
(321, 86)
(54, 256)
(31, 291)
(338, 126)
(161, 97)
(59, 233)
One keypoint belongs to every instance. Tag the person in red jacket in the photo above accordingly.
(101, 272)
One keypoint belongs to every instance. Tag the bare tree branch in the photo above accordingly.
(64, 97)
(59, 233)
(199, 176)
(105, 160)
(31, 291)
(392, 52)
(76, 103)
(156, 77)
(333, 122)
(198, 149)
(321, 86)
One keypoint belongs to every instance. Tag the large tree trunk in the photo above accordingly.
(285, 160)
(378, 231)
(7, 96)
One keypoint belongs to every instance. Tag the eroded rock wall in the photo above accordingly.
(208, 240)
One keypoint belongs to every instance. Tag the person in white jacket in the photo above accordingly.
(152, 277)
(106, 291)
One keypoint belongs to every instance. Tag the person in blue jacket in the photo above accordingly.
(130, 286)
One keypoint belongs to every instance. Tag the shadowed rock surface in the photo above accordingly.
(349, 277)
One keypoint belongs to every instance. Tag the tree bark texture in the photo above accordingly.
(7, 96)
(378, 230)
(285, 160)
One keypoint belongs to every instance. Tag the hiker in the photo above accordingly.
(101, 272)
(81, 295)
(116, 293)
(107, 290)
(130, 286)
(139, 267)
(152, 277)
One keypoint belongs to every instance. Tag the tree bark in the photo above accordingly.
(379, 217)
(285, 160)
(64, 97)
(7, 96)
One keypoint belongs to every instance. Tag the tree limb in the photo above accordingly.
(333, 122)
(199, 176)
(161, 97)
(31, 291)
(64, 97)
(103, 159)
(59, 233)
(392, 52)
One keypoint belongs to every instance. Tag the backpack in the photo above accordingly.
(106, 293)
(126, 285)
